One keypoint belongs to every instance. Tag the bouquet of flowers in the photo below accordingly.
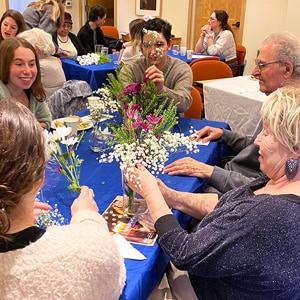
(61, 147)
(93, 59)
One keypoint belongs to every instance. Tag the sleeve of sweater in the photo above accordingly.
(235, 141)
(76, 261)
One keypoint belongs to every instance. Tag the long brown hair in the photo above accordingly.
(7, 52)
(22, 157)
(17, 16)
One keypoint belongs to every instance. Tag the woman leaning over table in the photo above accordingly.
(11, 24)
(20, 77)
(217, 38)
(45, 14)
(247, 244)
(76, 261)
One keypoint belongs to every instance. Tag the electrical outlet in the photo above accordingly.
(68, 3)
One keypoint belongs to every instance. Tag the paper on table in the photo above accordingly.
(200, 142)
(126, 249)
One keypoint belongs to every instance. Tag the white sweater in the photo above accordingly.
(76, 261)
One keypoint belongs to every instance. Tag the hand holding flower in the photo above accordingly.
(38, 207)
(85, 200)
(157, 77)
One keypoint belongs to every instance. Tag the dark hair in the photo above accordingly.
(22, 157)
(7, 52)
(17, 16)
(97, 11)
(159, 25)
(222, 16)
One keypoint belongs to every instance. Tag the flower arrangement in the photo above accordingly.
(93, 59)
(61, 147)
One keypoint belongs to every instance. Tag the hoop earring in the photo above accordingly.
(291, 168)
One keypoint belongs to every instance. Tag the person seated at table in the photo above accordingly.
(217, 38)
(170, 75)
(91, 33)
(275, 67)
(20, 77)
(11, 24)
(52, 74)
(247, 244)
(132, 50)
(68, 43)
(45, 14)
(75, 261)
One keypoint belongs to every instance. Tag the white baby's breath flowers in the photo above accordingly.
(152, 152)
(88, 59)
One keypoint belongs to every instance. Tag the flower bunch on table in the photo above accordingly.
(93, 59)
(145, 134)
(62, 149)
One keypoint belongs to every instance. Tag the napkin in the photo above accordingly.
(126, 249)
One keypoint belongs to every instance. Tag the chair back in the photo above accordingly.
(125, 38)
(240, 54)
(210, 69)
(196, 108)
(208, 57)
(110, 31)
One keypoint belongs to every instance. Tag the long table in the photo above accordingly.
(94, 75)
(236, 101)
(105, 180)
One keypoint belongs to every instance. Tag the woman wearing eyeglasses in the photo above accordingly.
(217, 39)
(68, 43)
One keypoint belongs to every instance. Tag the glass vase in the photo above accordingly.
(133, 203)
(98, 140)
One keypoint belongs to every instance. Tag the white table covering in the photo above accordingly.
(236, 101)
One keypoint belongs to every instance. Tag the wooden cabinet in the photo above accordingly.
(176, 41)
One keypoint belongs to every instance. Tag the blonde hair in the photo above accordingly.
(281, 113)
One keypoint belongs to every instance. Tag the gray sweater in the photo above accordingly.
(178, 79)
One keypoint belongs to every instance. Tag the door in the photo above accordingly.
(108, 4)
(234, 8)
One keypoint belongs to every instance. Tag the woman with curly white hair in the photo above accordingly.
(53, 76)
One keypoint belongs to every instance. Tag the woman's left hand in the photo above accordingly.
(38, 208)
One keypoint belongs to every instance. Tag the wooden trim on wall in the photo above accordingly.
(189, 25)
(6, 4)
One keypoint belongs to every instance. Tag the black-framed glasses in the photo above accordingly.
(262, 65)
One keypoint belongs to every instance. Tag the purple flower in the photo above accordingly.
(154, 120)
(133, 88)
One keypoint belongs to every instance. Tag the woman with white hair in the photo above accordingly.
(53, 76)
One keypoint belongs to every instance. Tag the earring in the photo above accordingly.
(291, 168)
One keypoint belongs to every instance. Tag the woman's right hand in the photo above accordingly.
(84, 201)
(207, 134)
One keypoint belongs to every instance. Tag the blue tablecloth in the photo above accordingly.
(184, 58)
(94, 75)
(105, 180)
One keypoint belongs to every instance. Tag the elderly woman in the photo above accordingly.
(52, 74)
(247, 244)
(11, 24)
(68, 42)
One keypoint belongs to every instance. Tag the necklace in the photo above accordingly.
(61, 39)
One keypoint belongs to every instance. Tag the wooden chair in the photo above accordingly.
(110, 31)
(125, 38)
(196, 108)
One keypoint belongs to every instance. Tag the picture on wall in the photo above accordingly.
(148, 7)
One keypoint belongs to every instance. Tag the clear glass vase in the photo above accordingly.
(133, 203)
(98, 140)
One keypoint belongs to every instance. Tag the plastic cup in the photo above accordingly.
(98, 48)
(116, 56)
(175, 49)
(189, 54)
(92, 101)
(104, 50)
(183, 51)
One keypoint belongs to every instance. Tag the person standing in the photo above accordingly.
(45, 14)
(217, 39)
(91, 34)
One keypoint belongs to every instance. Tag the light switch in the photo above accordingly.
(68, 3)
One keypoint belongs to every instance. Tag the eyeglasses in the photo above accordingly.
(262, 65)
